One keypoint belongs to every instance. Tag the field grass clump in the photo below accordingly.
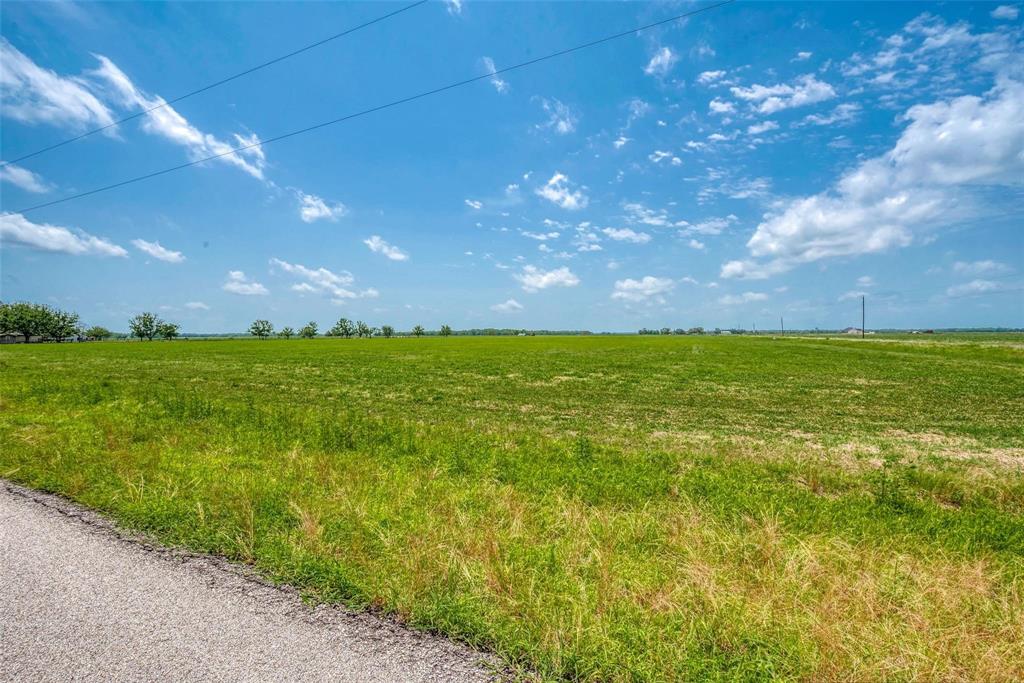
(588, 508)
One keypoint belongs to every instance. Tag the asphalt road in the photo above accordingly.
(81, 601)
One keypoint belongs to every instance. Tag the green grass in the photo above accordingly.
(592, 508)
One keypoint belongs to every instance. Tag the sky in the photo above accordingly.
(754, 162)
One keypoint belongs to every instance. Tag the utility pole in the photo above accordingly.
(861, 316)
(782, 325)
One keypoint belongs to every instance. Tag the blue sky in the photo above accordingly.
(756, 161)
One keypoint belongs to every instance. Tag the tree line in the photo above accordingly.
(344, 328)
(45, 323)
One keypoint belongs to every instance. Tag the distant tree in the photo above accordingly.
(167, 330)
(418, 331)
(309, 331)
(28, 320)
(97, 332)
(666, 330)
(696, 330)
(60, 325)
(446, 331)
(343, 328)
(387, 331)
(363, 330)
(144, 326)
(679, 330)
(261, 329)
(286, 333)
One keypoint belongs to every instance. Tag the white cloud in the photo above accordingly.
(717, 106)
(558, 191)
(510, 306)
(620, 142)
(709, 76)
(852, 295)
(540, 236)
(379, 246)
(709, 226)
(1008, 12)
(803, 91)
(972, 287)
(533, 279)
(473, 204)
(499, 84)
(696, 244)
(843, 113)
(638, 109)
(313, 208)
(238, 283)
(763, 127)
(658, 156)
(638, 213)
(561, 118)
(323, 281)
(33, 94)
(16, 229)
(157, 251)
(986, 267)
(740, 299)
(23, 178)
(454, 6)
(627, 235)
(662, 62)
(644, 289)
(169, 124)
(865, 281)
(922, 182)
(197, 306)
(802, 56)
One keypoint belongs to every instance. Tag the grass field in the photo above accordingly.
(594, 508)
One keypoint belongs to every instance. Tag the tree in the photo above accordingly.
(97, 332)
(418, 331)
(309, 331)
(286, 333)
(446, 331)
(261, 329)
(28, 320)
(343, 328)
(60, 325)
(168, 330)
(144, 326)
(363, 330)
(387, 331)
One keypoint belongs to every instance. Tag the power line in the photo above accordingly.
(393, 103)
(217, 83)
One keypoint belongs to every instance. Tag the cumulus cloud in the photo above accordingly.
(17, 230)
(322, 280)
(620, 142)
(843, 113)
(197, 306)
(534, 279)
(717, 106)
(540, 236)
(510, 306)
(948, 147)
(166, 122)
(740, 299)
(802, 56)
(499, 84)
(558, 190)
(709, 226)
(972, 287)
(769, 99)
(34, 95)
(709, 76)
(639, 213)
(158, 252)
(627, 235)
(1008, 12)
(454, 6)
(379, 246)
(645, 289)
(313, 208)
(661, 62)
(986, 267)
(473, 204)
(561, 118)
(763, 127)
(238, 283)
(23, 178)
(657, 156)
